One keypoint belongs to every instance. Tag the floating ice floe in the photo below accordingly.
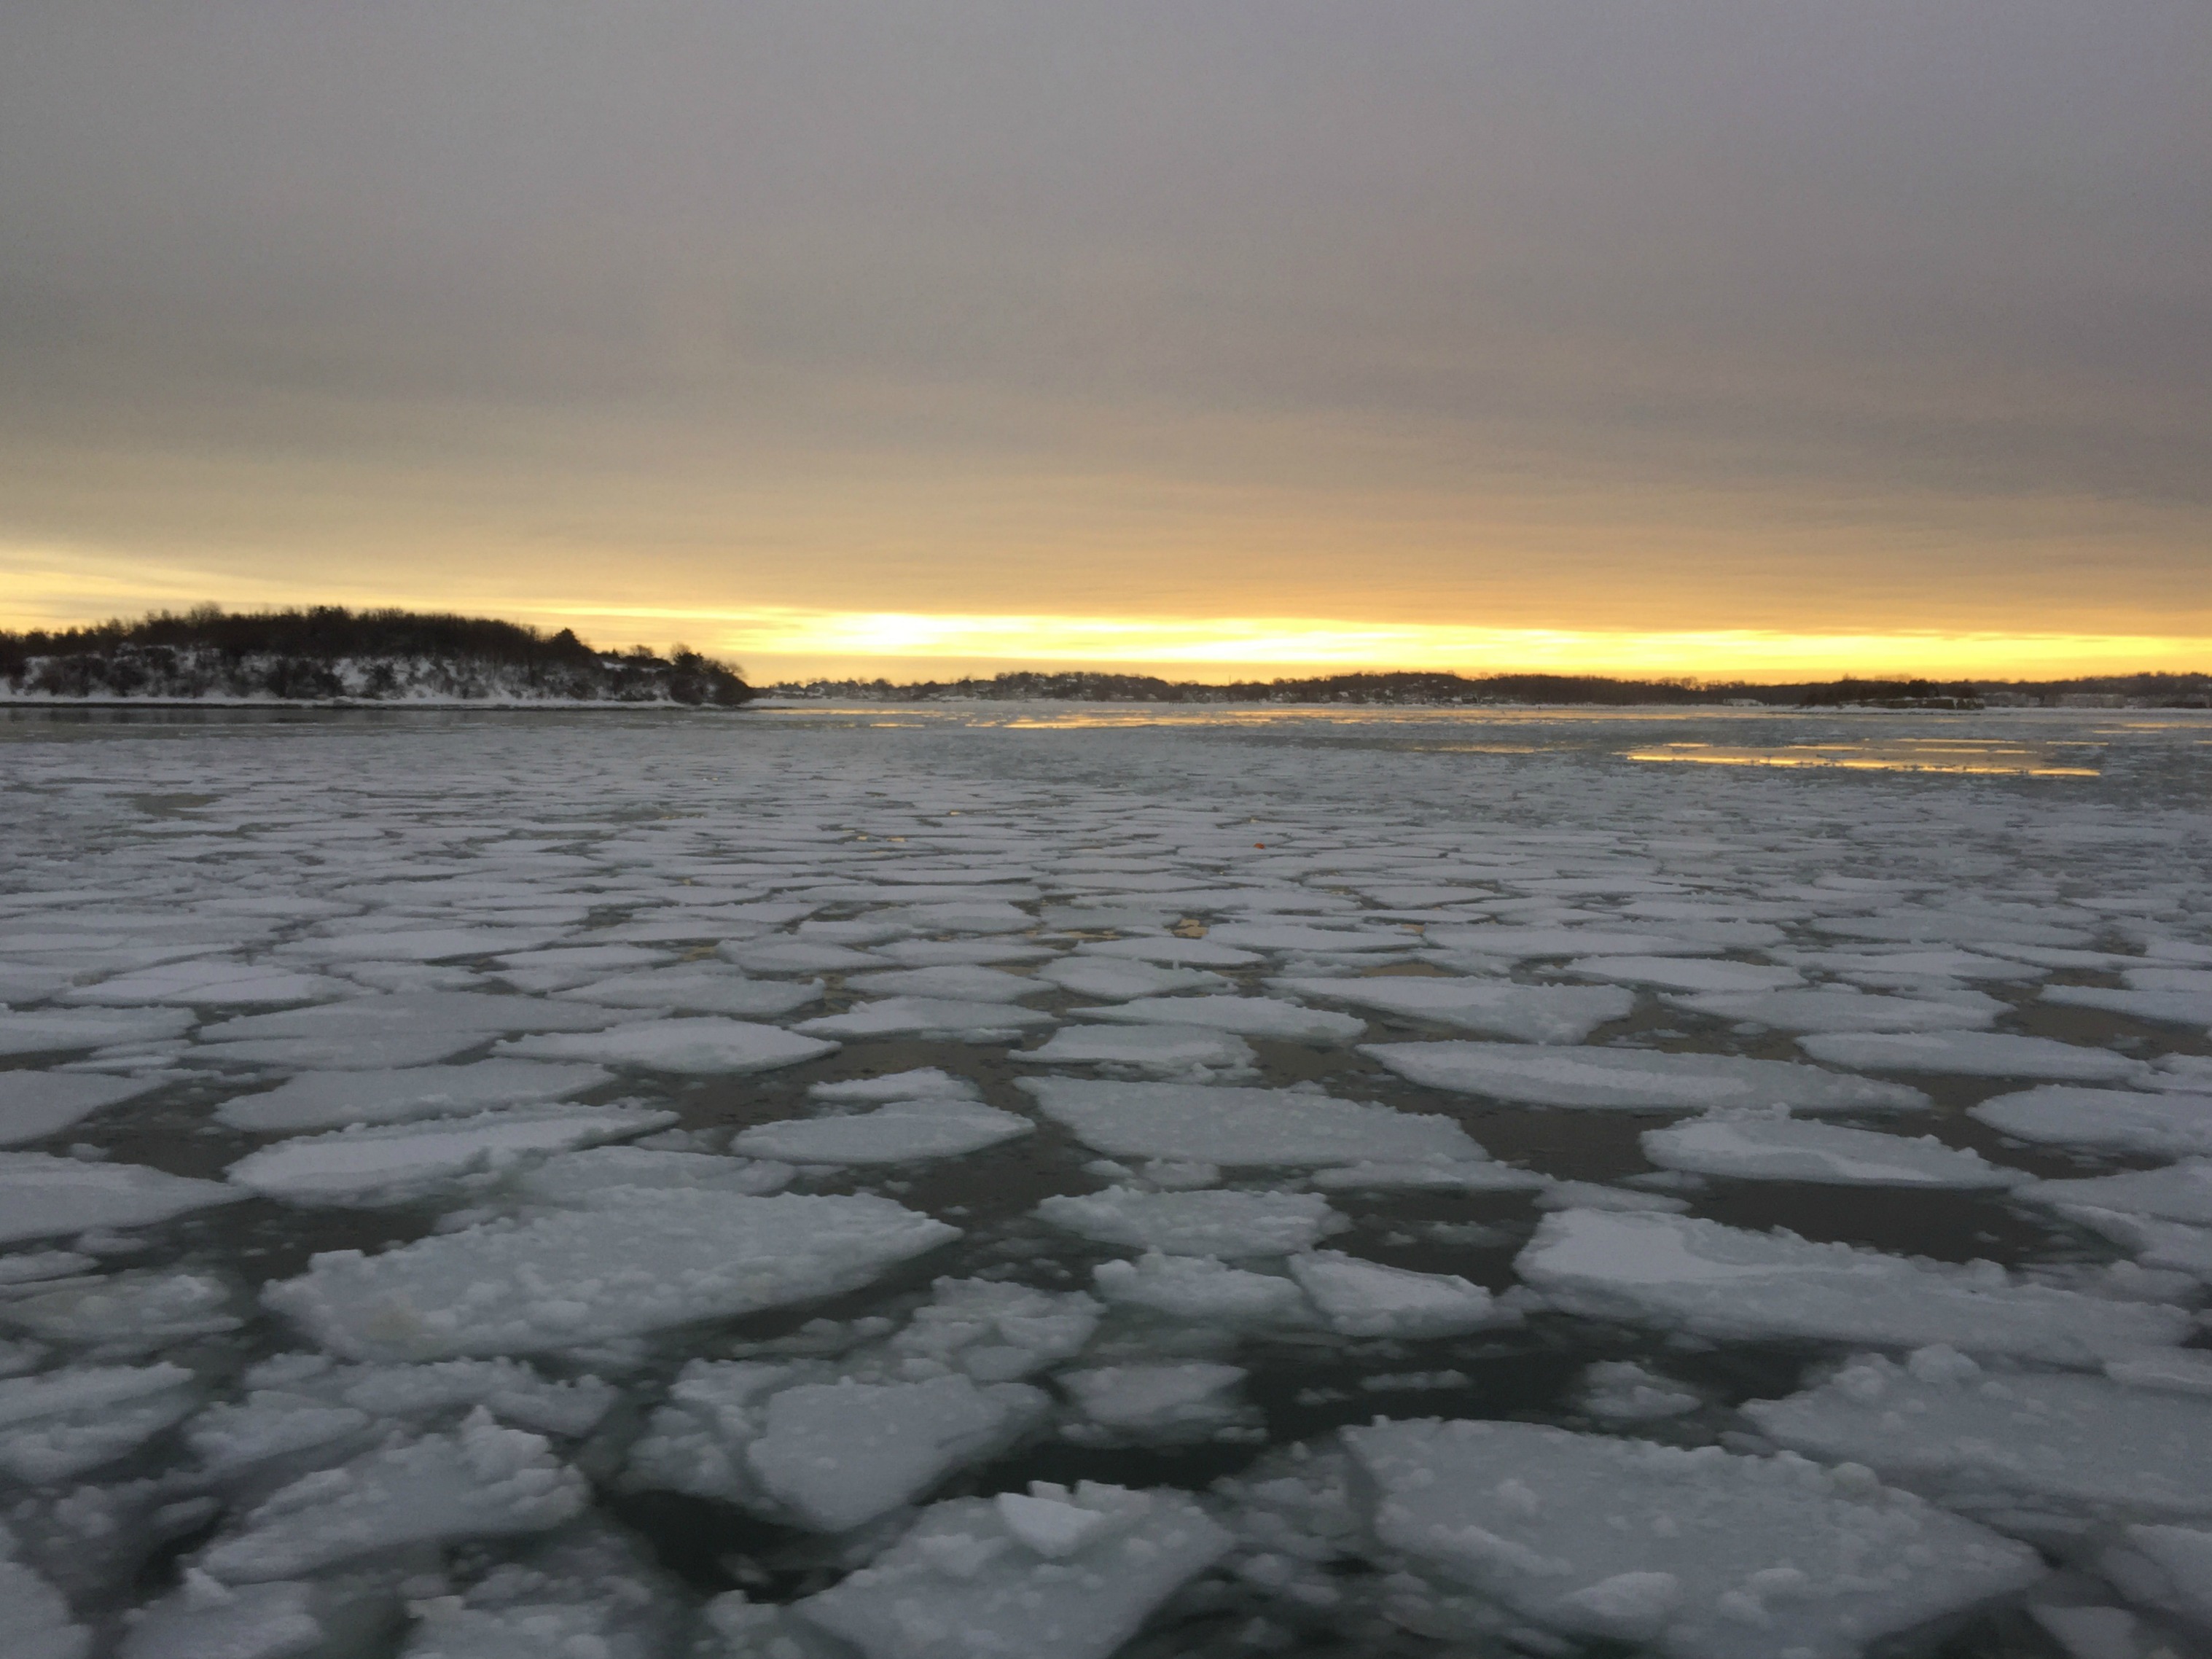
(1279, 936)
(1190, 1400)
(2164, 1007)
(420, 944)
(331, 1100)
(1442, 1175)
(125, 1313)
(1148, 1047)
(699, 1048)
(1635, 1078)
(960, 1021)
(1751, 1146)
(1122, 981)
(797, 956)
(1704, 1555)
(691, 989)
(1678, 1272)
(587, 1591)
(43, 1197)
(1366, 1299)
(2021, 1449)
(36, 1104)
(1681, 974)
(392, 1164)
(482, 1481)
(1526, 1013)
(1242, 1127)
(207, 1620)
(587, 1178)
(839, 1454)
(1219, 1222)
(958, 982)
(1173, 950)
(2170, 1246)
(961, 916)
(898, 1132)
(1201, 1290)
(2165, 1567)
(1911, 969)
(1250, 1017)
(2105, 1120)
(959, 952)
(1844, 1008)
(61, 1030)
(641, 1259)
(1622, 1391)
(372, 1033)
(203, 983)
(923, 1083)
(1073, 1574)
(1972, 1054)
(61, 1424)
(2179, 1192)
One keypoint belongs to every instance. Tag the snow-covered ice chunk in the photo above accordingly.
(924, 1083)
(1366, 1299)
(1683, 973)
(1844, 1008)
(1635, 1078)
(1201, 1290)
(962, 1022)
(59, 1030)
(377, 1032)
(961, 916)
(1149, 1048)
(480, 1482)
(208, 1619)
(1706, 1554)
(1971, 1053)
(2007, 1445)
(36, 1104)
(1192, 1400)
(896, 1133)
(420, 944)
(589, 1176)
(993, 1331)
(331, 1100)
(784, 955)
(41, 1197)
(2184, 1371)
(618, 1269)
(968, 1581)
(689, 988)
(59, 1425)
(957, 952)
(702, 1047)
(1172, 949)
(1220, 1223)
(1507, 942)
(1753, 1146)
(1599, 1195)
(2171, 1246)
(131, 1312)
(200, 983)
(587, 1593)
(2108, 1120)
(1673, 1271)
(1242, 1127)
(956, 982)
(1119, 981)
(1622, 1391)
(391, 1163)
(1912, 969)
(35, 1614)
(2179, 1192)
(1251, 1016)
(839, 1454)
(2168, 1567)
(1525, 1013)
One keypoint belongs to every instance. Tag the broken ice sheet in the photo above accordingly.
(1635, 1078)
(697, 1047)
(1762, 1146)
(1166, 1050)
(43, 1197)
(331, 1100)
(1526, 1013)
(1241, 1127)
(1710, 1555)
(1206, 1222)
(928, 1017)
(897, 1132)
(36, 1104)
(1972, 1054)
(2173, 1125)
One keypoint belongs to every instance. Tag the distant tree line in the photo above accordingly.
(1434, 689)
(330, 653)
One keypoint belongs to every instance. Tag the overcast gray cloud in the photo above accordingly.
(305, 277)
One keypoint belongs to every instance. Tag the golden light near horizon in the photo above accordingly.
(1225, 647)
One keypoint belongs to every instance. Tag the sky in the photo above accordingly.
(1732, 336)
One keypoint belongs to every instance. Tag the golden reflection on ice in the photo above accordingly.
(1989, 757)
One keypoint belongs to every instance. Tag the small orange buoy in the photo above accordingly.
(1261, 845)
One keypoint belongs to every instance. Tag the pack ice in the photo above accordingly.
(1762, 1146)
(2105, 1120)
(1525, 1013)
(1696, 1554)
(1242, 1127)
